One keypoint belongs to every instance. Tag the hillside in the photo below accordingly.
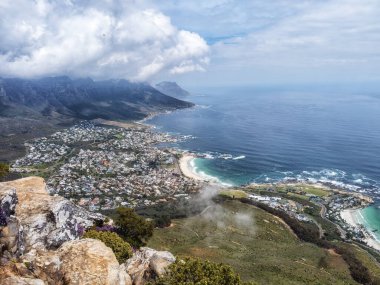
(266, 251)
(83, 98)
(36, 108)
(171, 89)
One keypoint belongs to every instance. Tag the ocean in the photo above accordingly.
(266, 134)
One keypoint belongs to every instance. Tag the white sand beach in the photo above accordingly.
(349, 216)
(187, 169)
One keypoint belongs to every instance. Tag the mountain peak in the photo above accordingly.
(171, 89)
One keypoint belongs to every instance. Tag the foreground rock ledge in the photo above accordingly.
(36, 219)
(39, 243)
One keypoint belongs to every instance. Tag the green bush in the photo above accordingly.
(132, 227)
(192, 271)
(4, 169)
(121, 248)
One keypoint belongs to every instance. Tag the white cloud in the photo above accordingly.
(102, 39)
(284, 40)
(325, 41)
(344, 30)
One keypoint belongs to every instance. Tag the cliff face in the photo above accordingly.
(40, 242)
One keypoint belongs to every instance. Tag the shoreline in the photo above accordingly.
(187, 169)
(349, 216)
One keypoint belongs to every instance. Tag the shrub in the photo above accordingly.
(192, 271)
(162, 221)
(132, 227)
(4, 169)
(121, 248)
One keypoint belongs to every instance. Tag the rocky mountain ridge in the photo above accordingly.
(31, 108)
(40, 243)
(83, 98)
(172, 89)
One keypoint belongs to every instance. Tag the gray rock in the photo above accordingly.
(8, 202)
(160, 261)
(148, 263)
(41, 221)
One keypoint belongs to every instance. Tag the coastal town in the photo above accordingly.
(103, 167)
(291, 207)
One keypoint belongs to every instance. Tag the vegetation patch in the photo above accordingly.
(132, 227)
(4, 169)
(233, 194)
(256, 244)
(121, 248)
(193, 271)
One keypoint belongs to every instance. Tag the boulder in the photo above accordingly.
(77, 262)
(160, 261)
(12, 238)
(8, 202)
(90, 262)
(147, 263)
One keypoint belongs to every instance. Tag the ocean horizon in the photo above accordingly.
(267, 135)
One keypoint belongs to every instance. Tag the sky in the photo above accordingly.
(194, 42)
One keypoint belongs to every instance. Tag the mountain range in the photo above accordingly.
(35, 107)
(83, 98)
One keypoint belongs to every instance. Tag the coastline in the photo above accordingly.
(350, 217)
(187, 169)
(186, 165)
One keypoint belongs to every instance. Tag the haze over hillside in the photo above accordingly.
(172, 89)
(83, 98)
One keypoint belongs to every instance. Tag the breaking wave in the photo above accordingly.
(217, 155)
(333, 178)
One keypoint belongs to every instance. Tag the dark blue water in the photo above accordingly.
(310, 134)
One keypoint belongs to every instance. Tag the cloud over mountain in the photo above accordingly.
(102, 39)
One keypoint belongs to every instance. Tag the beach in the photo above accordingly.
(350, 216)
(187, 169)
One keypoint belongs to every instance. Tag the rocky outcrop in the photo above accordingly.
(40, 221)
(147, 263)
(8, 201)
(40, 243)
(77, 262)
(89, 261)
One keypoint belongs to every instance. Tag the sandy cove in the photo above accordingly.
(187, 169)
(349, 216)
